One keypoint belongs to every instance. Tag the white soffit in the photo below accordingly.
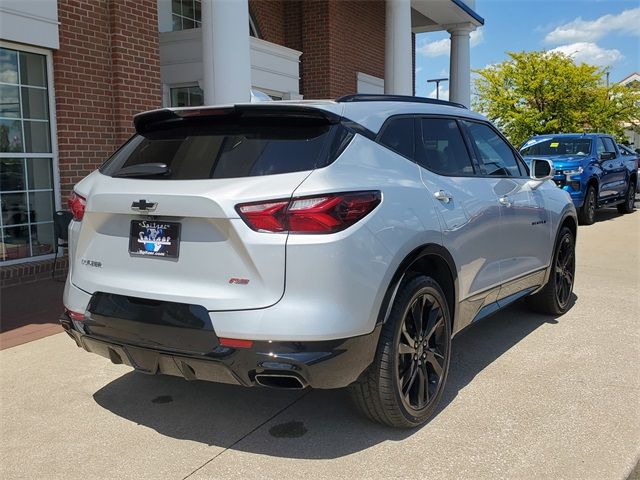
(32, 22)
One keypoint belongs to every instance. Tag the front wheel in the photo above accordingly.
(587, 213)
(555, 298)
(406, 380)
(629, 200)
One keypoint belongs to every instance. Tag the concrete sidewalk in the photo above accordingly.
(528, 397)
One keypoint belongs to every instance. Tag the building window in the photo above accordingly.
(187, 96)
(186, 14)
(27, 203)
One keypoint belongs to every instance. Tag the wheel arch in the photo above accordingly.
(430, 259)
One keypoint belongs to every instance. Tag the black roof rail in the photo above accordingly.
(371, 97)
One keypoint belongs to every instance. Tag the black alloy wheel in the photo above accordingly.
(587, 214)
(406, 380)
(565, 268)
(630, 200)
(423, 347)
(555, 297)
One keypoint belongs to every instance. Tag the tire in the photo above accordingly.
(555, 298)
(629, 200)
(399, 367)
(587, 213)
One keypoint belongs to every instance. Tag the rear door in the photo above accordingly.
(176, 236)
(612, 179)
(466, 204)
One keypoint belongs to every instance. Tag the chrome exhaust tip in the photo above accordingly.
(279, 380)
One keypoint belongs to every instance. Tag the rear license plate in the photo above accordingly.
(152, 238)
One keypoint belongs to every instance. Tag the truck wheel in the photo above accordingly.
(554, 298)
(587, 213)
(629, 200)
(404, 384)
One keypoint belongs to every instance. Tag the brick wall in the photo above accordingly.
(269, 18)
(356, 43)
(338, 38)
(107, 69)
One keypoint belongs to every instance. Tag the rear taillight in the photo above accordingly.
(78, 316)
(76, 205)
(319, 214)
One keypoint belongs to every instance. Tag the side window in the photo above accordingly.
(600, 148)
(398, 136)
(443, 148)
(497, 157)
(608, 143)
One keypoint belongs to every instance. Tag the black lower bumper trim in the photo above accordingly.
(322, 364)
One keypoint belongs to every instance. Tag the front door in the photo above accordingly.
(525, 242)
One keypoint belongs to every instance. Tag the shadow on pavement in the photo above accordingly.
(321, 425)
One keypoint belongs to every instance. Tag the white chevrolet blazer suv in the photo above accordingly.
(318, 244)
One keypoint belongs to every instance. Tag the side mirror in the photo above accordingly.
(607, 155)
(542, 169)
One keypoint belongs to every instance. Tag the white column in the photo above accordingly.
(226, 60)
(460, 64)
(397, 51)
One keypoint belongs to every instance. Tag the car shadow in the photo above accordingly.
(311, 424)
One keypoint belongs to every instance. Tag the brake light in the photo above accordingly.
(76, 204)
(319, 214)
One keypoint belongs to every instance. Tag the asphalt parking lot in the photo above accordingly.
(528, 397)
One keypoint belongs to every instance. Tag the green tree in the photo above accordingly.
(546, 92)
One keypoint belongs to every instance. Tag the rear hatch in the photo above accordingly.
(160, 220)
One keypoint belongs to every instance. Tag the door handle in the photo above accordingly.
(504, 200)
(444, 197)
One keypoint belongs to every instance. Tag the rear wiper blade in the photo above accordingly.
(143, 170)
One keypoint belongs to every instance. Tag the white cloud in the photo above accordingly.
(579, 30)
(444, 93)
(435, 49)
(589, 52)
(442, 47)
(477, 37)
(418, 69)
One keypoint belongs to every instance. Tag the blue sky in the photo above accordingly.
(603, 32)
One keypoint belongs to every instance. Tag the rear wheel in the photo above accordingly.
(587, 213)
(629, 200)
(555, 297)
(406, 380)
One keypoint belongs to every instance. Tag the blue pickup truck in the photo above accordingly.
(590, 167)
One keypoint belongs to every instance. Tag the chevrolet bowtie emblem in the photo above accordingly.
(143, 206)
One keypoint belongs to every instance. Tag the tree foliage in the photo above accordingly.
(546, 92)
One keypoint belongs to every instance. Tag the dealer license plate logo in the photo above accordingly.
(154, 239)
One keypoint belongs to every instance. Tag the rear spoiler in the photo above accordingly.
(144, 121)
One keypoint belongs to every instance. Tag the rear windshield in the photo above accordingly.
(201, 150)
(557, 146)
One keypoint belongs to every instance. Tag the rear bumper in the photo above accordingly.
(321, 364)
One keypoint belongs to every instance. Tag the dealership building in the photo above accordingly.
(74, 72)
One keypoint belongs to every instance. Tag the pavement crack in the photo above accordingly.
(249, 433)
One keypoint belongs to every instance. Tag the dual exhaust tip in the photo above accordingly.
(281, 381)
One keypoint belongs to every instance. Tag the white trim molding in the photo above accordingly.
(31, 23)
(369, 84)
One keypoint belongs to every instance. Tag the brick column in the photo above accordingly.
(135, 62)
(107, 69)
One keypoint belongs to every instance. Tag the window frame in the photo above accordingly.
(53, 135)
(522, 166)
